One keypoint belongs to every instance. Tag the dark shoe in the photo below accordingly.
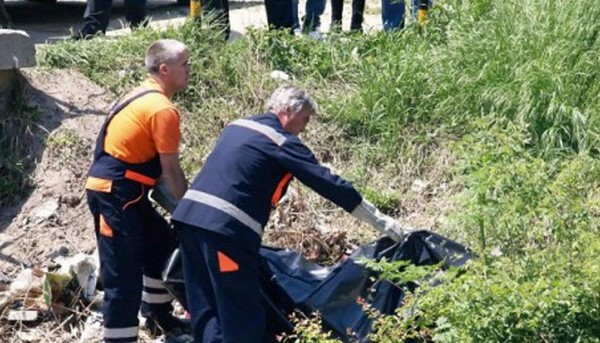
(164, 323)
(84, 35)
(160, 319)
(179, 338)
(142, 23)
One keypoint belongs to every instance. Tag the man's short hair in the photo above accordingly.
(292, 98)
(163, 51)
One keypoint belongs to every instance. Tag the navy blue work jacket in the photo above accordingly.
(248, 170)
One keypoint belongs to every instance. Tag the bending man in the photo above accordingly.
(221, 218)
(138, 145)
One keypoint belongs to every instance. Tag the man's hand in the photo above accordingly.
(393, 230)
(367, 212)
(163, 196)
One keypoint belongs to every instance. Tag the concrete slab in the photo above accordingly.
(16, 50)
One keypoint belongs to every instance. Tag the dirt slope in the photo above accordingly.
(54, 219)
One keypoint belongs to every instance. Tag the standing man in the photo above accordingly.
(221, 218)
(97, 16)
(137, 147)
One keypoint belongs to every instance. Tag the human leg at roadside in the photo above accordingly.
(337, 9)
(219, 10)
(358, 8)
(97, 15)
(280, 14)
(135, 12)
(312, 19)
(392, 14)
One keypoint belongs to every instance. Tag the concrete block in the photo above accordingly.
(16, 50)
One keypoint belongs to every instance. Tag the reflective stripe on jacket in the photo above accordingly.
(247, 171)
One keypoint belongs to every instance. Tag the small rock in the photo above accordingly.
(496, 252)
(45, 211)
(279, 75)
(419, 186)
(63, 251)
(70, 200)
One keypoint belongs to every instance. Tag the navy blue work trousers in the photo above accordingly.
(134, 242)
(222, 282)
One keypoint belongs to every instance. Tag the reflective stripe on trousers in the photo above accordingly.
(155, 292)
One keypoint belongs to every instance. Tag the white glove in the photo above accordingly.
(368, 213)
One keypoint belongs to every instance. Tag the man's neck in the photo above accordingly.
(166, 91)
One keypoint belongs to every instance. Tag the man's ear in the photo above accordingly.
(163, 68)
(288, 112)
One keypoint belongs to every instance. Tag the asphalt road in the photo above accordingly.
(48, 22)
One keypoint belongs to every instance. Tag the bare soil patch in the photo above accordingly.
(53, 220)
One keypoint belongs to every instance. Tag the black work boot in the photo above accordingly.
(160, 319)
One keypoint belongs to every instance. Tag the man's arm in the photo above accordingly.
(172, 175)
(302, 163)
(368, 213)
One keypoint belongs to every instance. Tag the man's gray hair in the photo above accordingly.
(163, 51)
(292, 98)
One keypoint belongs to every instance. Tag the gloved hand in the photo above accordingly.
(367, 212)
(392, 229)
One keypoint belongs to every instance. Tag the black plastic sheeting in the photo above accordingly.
(292, 283)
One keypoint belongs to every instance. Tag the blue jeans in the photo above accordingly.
(393, 12)
(312, 20)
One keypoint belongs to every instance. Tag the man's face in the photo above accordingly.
(178, 72)
(296, 122)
